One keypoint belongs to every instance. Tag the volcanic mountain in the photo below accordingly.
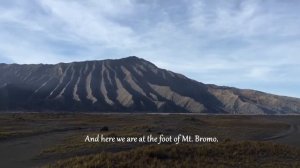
(126, 85)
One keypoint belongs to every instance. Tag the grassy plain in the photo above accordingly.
(57, 140)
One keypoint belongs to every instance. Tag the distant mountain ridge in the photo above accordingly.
(130, 84)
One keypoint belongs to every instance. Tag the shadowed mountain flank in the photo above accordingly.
(126, 85)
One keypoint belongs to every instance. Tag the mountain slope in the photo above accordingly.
(126, 85)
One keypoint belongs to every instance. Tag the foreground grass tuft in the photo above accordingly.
(226, 154)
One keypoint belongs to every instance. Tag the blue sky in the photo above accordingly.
(242, 43)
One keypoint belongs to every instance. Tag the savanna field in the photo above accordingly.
(58, 140)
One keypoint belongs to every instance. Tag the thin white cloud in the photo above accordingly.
(87, 25)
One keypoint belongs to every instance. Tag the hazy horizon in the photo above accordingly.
(246, 44)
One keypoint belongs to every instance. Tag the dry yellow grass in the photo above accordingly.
(226, 154)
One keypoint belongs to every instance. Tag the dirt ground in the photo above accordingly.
(33, 140)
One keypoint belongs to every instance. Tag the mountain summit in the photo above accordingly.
(130, 84)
